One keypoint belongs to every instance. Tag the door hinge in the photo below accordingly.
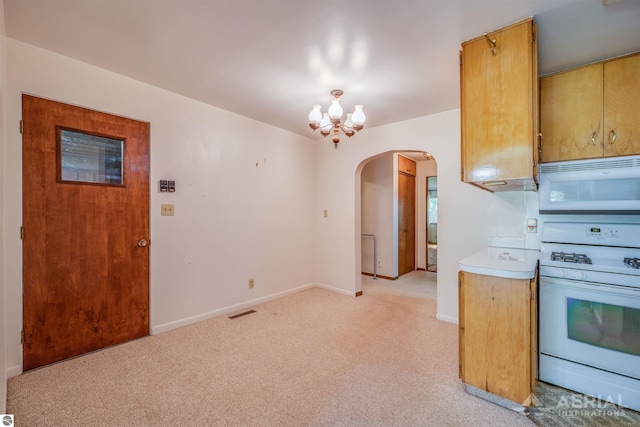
(21, 233)
(21, 126)
(22, 336)
(533, 297)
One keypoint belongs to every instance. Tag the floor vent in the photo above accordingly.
(235, 316)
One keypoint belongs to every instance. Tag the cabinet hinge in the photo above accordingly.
(533, 297)
(22, 336)
(21, 126)
(21, 232)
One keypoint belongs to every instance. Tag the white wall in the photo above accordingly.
(3, 183)
(467, 215)
(377, 214)
(244, 203)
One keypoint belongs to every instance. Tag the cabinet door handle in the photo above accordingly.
(613, 136)
(593, 138)
(492, 43)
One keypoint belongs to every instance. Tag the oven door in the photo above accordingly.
(594, 325)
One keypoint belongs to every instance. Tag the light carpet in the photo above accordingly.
(314, 358)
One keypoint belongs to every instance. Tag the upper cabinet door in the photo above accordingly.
(622, 106)
(571, 114)
(498, 96)
(591, 111)
(406, 166)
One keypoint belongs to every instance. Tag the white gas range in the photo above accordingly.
(590, 309)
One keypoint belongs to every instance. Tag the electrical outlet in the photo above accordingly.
(251, 283)
(380, 263)
(166, 210)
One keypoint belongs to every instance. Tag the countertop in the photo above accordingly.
(503, 262)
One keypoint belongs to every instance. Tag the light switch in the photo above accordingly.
(326, 213)
(166, 210)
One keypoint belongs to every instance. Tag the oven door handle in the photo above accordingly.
(590, 286)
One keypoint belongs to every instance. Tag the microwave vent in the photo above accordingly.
(587, 165)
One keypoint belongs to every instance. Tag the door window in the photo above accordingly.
(90, 158)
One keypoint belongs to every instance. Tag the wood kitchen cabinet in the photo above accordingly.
(591, 111)
(497, 333)
(406, 165)
(499, 108)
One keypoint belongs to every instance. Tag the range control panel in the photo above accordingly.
(602, 232)
(592, 233)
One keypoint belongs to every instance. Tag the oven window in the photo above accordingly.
(604, 325)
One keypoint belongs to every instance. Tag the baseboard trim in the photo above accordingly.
(445, 318)
(165, 327)
(13, 371)
(421, 269)
(380, 276)
(337, 290)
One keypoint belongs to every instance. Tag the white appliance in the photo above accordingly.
(592, 186)
(589, 309)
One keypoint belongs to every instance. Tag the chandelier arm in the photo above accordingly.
(347, 129)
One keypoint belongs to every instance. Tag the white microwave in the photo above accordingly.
(592, 186)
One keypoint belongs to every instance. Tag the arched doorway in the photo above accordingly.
(379, 208)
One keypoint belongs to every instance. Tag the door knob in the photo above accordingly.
(143, 242)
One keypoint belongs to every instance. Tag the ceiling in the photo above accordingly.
(271, 60)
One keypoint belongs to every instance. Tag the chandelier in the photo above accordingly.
(331, 121)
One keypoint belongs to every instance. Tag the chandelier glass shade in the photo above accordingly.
(331, 121)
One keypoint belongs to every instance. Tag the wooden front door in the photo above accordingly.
(86, 224)
(406, 223)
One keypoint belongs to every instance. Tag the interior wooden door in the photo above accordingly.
(86, 225)
(406, 223)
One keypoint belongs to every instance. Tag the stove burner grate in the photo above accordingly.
(632, 262)
(567, 257)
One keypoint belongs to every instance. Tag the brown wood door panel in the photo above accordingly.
(571, 114)
(497, 105)
(85, 279)
(406, 223)
(622, 106)
(496, 324)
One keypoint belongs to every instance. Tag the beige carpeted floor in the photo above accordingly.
(315, 358)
